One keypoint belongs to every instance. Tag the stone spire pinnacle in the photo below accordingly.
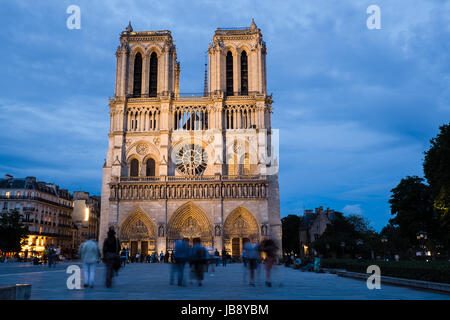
(129, 28)
(205, 86)
(253, 25)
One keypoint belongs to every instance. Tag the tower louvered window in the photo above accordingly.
(244, 74)
(229, 73)
(153, 83)
(137, 83)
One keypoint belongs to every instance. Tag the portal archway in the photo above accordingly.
(138, 234)
(190, 222)
(240, 227)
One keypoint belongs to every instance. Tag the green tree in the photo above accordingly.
(12, 232)
(346, 230)
(291, 233)
(436, 167)
(411, 206)
(396, 243)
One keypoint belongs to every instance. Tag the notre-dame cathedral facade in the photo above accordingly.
(200, 167)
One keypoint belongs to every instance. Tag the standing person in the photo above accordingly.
(161, 257)
(123, 257)
(137, 257)
(270, 248)
(51, 257)
(90, 255)
(110, 255)
(45, 255)
(216, 257)
(224, 257)
(166, 257)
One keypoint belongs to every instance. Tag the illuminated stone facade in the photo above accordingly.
(46, 211)
(200, 167)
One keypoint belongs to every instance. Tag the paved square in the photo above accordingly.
(151, 281)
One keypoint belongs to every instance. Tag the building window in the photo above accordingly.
(244, 74)
(134, 168)
(153, 81)
(137, 75)
(229, 73)
(7, 194)
(150, 168)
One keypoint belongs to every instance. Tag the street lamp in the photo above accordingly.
(359, 243)
(421, 237)
(343, 246)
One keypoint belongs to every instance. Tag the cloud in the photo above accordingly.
(352, 209)
(355, 107)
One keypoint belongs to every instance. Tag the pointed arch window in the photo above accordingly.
(153, 81)
(229, 73)
(150, 168)
(244, 74)
(137, 80)
(134, 168)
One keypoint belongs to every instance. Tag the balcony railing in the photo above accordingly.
(204, 178)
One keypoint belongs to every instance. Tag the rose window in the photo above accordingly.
(191, 159)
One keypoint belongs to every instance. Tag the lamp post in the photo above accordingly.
(421, 237)
(359, 243)
(343, 246)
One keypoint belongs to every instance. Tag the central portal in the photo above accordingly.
(189, 222)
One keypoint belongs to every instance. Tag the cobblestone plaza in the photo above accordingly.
(151, 281)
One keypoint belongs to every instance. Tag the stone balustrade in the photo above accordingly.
(188, 187)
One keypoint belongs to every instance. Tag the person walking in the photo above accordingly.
(110, 255)
(252, 256)
(180, 257)
(199, 257)
(90, 255)
(269, 247)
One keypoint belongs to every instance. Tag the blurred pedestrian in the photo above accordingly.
(111, 255)
(224, 257)
(51, 257)
(123, 257)
(199, 258)
(252, 254)
(90, 255)
(180, 257)
(269, 247)
(216, 257)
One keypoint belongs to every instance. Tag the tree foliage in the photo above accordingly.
(12, 231)
(436, 167)
(291, 233)
(411, 206)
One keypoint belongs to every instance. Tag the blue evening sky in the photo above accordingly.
(355, 107)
